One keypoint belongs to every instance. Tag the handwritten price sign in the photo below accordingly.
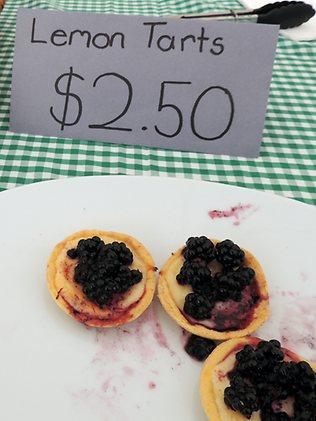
(195, 86)
(127, 102)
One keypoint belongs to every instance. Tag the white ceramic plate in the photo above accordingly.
(53, 368)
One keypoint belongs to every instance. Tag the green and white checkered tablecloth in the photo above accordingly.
(287, 160)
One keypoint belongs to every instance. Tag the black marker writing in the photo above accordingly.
(151, 34)
(167, 42)
(33, 40)
(202, 38)
(100, 40)
(170, 109)
(63, 121)
(217, 44)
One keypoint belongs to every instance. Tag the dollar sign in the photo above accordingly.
(67, 93)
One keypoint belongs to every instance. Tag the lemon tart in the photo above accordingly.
(214, 289)
(101, 278)
(248, 378)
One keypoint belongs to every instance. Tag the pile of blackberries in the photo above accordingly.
(262, 378)
(208, 289)
(103, 269)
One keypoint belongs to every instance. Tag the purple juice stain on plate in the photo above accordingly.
(152, 385)
(143, 337)
(141, 342)
(298, 325)
(128, 371)
(304, 276)
(234, 212)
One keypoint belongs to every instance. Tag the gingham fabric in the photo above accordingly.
(287, 160)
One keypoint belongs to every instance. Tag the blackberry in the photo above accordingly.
(245, 353)
(123, 253)
(89, 246)
(191, 270)
(231, 283)
(282, 416)
(103, 290)
(227, 287)
(197, 306)
(241, 397)
(198, 275)
(268, 353)
(269, 415)
(306, 379)
(102, 269)
(72, 253)
(286, 376)
(244, 275)
(258, 364)
(305, 416)
(229, 254)
(199, 348)
(305, 402)
(199, 248)
(86, 247)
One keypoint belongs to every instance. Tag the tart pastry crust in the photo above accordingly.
(260, 312)
(70, 298)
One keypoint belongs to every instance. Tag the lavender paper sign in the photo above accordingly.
(170, 83)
